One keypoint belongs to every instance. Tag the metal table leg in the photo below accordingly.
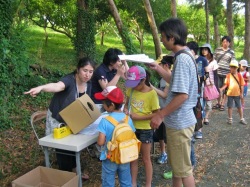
(46, 153)
(78, 168)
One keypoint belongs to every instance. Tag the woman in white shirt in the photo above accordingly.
(212, 67)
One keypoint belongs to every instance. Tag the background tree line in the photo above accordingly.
(82, 20)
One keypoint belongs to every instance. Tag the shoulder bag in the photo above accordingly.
(210, 92)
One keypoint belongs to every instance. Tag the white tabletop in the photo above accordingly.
(72, 142)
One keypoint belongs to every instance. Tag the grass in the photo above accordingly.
(18, 148)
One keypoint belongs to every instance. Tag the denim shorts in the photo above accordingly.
(109, 170)
(145, 135)
(231, 100)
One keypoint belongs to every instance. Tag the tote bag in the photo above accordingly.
(210, 92)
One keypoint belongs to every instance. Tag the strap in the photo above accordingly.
(129, 102)
(186, 52)
(236, 80)
(228, 51)
(115, 122)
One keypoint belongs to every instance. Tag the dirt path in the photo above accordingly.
(223, 155)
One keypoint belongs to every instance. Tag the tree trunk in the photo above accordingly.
(247, 31)
(217, 42)
(207, 22)
(122, 30)
(173, 8)
(230, 25)
(85, 33)
(153, 27)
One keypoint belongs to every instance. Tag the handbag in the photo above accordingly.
(198, 114)
(210, 92)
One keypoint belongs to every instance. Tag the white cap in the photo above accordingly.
(243, 63)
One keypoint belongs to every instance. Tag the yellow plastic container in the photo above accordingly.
(61, 132)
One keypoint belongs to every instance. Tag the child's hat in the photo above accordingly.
(134, 76)
(243, 63)
(234, 63)
(112, 93)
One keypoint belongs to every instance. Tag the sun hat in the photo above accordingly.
(234, 63)
(243, 63)
(134, 76)
(112, 93)
(207, 45)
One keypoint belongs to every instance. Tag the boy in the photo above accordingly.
(234, 83)
(112, 98)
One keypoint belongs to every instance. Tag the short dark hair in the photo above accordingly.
(109, 103)
(111, 56)
(192, 45)
(226, 38)
(176, 28)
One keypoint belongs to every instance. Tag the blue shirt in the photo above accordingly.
(201, 64)
(183, 80)
(107, 129)
(101, 72)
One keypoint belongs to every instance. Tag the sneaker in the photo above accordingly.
(243, 121)
(198, 135)
(163, 158)
(230, 121)
(168, 175)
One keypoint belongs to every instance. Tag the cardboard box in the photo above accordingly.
(47, 177)
(80, 114)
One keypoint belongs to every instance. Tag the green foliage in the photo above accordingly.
(86, 30)
(5, 17)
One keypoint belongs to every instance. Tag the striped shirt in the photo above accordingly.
(183, 80)
(223, 61)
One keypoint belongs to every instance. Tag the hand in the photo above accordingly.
(34, 91)
(156, 120)
(121, 70)
(153, 65)
(126, 111)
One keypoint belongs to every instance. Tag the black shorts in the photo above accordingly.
(160, 133)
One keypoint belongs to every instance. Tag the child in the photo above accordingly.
(234, 82)
(166, 62)
(141, 103)
(112, 98)
(245, 74)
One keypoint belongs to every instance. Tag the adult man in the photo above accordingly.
(223, 55)
(178, 113)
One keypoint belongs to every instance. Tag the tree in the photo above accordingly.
(85, 32)
(121, 28)
(247, 31)
(173, 8)
(230, 24)
(207, 21)
(153, 27)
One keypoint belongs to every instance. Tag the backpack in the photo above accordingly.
(124, 147)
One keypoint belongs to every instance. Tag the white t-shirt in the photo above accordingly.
(212, 66)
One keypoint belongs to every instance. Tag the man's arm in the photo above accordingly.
(166, 75)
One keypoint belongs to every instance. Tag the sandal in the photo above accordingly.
(85, 177)
(206, 122)
(222, 108)
(216, 106)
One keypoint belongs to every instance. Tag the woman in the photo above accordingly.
(212, 67)
(66, 91)
(109, 72)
